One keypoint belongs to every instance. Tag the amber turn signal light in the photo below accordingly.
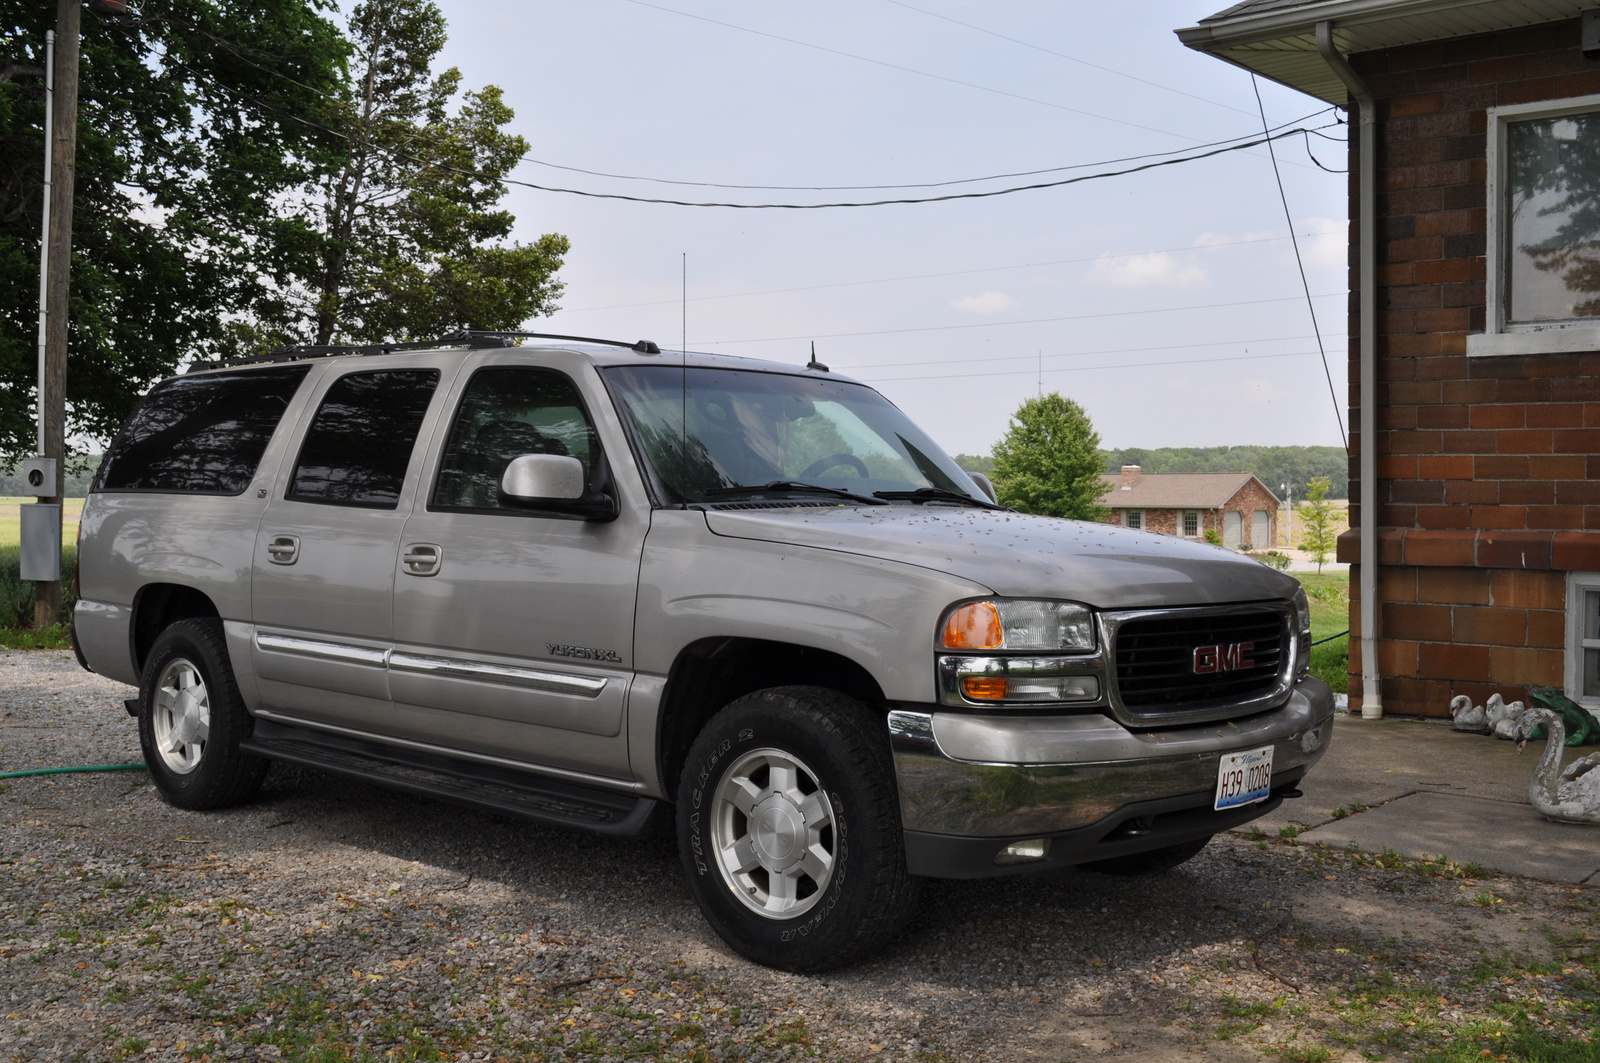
(985, 687)
(974, 626)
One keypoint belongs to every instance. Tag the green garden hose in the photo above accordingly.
(68, 771)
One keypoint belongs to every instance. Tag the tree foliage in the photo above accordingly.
(193, 122)
(1318, 534)
(1273, 466)
(409, 236)
(1049, 461)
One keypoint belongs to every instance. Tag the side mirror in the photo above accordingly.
(984, 485)
(555, 483)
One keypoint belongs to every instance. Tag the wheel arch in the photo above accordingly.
(711, 672)
(157, 607)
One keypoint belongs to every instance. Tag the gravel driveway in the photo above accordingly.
(331, 920)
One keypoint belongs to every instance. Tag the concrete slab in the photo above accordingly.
(1496, 834)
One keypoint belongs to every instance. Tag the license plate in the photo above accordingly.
(1244, 778)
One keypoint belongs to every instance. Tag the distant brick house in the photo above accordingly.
(1475, 328)
(1236, 505)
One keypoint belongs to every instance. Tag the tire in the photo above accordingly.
(1153, 862)
(813, 765)
(191, 720)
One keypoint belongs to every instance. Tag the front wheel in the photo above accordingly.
(789, 829)
(192, 720)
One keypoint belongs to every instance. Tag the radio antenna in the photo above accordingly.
(683, 382)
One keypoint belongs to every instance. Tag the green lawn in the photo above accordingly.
(11, 520)
(1330, 614)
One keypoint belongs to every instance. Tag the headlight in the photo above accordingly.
(1302, 633)
(1020, 625)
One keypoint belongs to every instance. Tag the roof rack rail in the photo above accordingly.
(472, 339)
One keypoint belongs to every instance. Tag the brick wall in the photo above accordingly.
(1486, 466)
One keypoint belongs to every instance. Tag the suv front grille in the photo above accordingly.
(1182, 665)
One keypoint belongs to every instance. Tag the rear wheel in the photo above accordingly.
(1152, 862)
(192, 720)
(789, 830)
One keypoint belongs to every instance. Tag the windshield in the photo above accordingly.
(752, 432)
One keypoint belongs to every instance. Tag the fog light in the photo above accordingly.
(1023, 852)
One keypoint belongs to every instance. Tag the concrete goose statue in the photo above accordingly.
(1465, 716)
(1503, 718)
(1570, 795)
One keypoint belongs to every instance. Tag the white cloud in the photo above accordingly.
(986, 304)
(1329, 242)
(1215, 239)
(1154, 269)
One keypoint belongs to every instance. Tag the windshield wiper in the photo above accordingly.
(935, 494)
(793, 487)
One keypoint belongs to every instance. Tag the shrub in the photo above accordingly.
(16, 593)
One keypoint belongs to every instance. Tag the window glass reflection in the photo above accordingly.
(358, 447)
(1553, 212)
(504, 414)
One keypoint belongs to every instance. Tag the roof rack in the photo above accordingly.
(472, 339)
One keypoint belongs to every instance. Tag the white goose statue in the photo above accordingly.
(1466, 716)
(1570, 795)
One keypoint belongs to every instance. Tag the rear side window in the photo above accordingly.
(360, 442)
(201, 434)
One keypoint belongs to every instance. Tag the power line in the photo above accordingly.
(1028, 321)
(906, 69)
(1089, 368)
(1068, 58)
(1074, 354)
(923, 276)
(1304, 283)
(914, 184)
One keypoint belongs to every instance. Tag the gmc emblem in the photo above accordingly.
(1209, 659)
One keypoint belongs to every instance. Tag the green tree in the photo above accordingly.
(1318, 535)
(410, 242)
(194, 122)
(1049, 461)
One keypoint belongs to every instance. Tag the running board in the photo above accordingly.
(546, 801)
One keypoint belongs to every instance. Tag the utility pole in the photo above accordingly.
(63, 165)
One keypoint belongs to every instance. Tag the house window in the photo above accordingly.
(1136, 519)
(1191, 523)
(1543, 283)
(1583, 637)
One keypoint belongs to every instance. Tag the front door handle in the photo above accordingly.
(284, 549)
(422, 559)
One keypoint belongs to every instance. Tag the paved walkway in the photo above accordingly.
(1429, 790)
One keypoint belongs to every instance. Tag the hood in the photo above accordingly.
(1017, 555)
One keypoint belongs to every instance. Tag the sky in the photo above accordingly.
(1168, 303)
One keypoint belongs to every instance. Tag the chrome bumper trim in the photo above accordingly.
(993, 776)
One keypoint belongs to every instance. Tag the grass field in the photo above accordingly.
(11, 520)
(1330, 614)
(16, 596)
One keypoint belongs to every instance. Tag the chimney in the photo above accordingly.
(1130, 476)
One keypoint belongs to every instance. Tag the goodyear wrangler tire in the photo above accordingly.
(191, 720)
(789, 830)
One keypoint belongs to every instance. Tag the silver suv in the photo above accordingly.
(594, 585)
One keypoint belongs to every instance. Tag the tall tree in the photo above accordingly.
(1049, 460)
(194, 121)
(410, 236)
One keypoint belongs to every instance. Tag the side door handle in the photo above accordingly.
(422, 559)
(284, 549)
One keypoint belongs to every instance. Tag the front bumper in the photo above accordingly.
(972, 785)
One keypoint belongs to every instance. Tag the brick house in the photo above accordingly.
(1475, 327)
(1235, 505)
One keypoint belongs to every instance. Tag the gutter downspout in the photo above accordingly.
(1367, 236)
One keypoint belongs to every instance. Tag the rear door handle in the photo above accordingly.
(422, 559)
(284, 549)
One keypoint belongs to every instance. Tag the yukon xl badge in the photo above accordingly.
(1210, 659)
(587, 653)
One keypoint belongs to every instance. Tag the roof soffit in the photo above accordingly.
(1277, 38)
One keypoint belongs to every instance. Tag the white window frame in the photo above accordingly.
(1183, 524)
(1499, 338)
(1578, 583)
(1133, 518)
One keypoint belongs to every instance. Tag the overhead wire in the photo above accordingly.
(991, 360)
(1300, 262)
(1088, 368)
(1068, 58)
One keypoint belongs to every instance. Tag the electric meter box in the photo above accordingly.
(39, 477)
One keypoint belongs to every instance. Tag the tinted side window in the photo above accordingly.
(201, 434)
(359, 444)
(504, 414)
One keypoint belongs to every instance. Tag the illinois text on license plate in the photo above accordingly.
(1243, 778)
